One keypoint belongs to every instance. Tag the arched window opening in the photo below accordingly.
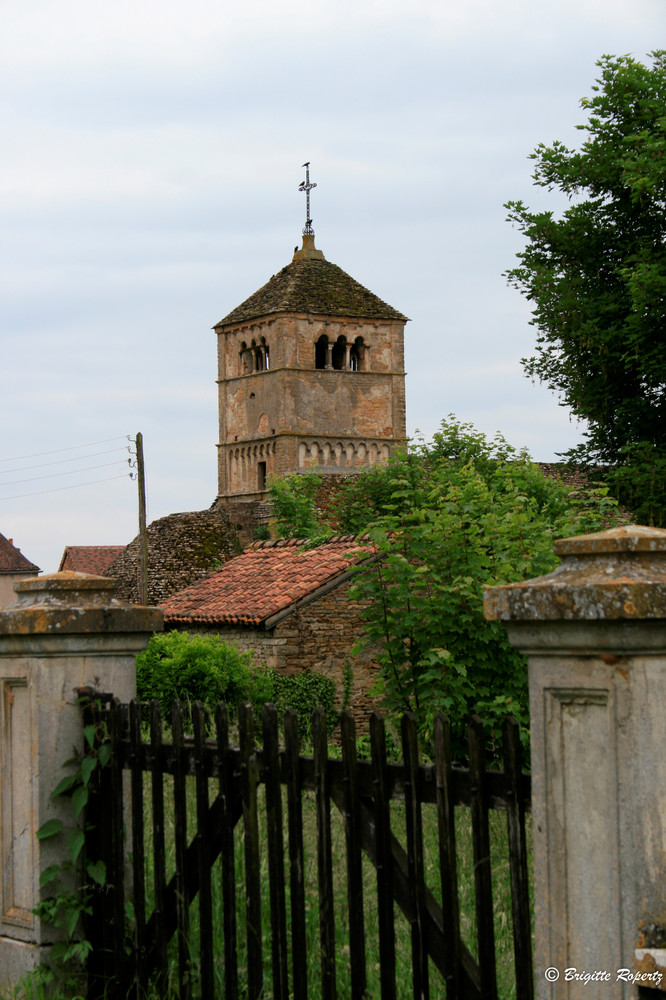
(259, 356)
(356, 355)
(321, 351)
(245, 359)
(339, 352)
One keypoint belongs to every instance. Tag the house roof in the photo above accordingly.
(12, 560)
(266, 579)
(312, 286)
(89, 558)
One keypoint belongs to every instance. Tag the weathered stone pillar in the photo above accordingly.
(64, 631)
(594, 632)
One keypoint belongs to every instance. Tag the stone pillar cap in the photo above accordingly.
(628, 538)
(613, 574)
(62, 587)
(71, 602)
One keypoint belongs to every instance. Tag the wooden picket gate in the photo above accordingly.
(135, 945)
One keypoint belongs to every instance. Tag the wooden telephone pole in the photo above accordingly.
(142, 565)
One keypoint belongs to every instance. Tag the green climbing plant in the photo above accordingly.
(68, 885)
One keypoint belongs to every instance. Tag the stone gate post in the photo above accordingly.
(594, 633)
(63, 632)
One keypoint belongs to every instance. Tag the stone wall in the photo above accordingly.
(293, 415)
(182, 548)
(317, 636)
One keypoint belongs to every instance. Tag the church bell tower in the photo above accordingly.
(311, 376)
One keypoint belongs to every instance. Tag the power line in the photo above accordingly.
(56, 451)
(55, 475)
(59, 489)
(61, 461)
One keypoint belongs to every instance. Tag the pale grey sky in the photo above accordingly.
(149, 184)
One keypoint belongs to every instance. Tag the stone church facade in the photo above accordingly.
(311, 378)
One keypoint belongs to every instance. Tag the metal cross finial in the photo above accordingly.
(307, 187)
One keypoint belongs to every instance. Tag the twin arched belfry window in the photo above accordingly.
(340, 354)
(255, 358)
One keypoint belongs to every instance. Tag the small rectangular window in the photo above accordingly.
(261, 475)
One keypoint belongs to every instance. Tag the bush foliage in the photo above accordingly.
(189, 668)
(445, 520)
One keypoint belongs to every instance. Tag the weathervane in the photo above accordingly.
(307, 187)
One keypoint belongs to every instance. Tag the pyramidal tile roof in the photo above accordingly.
(312, 286)
(93, 559)
(265, 579)
(12, 559)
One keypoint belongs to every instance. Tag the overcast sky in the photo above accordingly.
(152, 154)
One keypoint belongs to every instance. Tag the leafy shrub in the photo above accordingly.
(304, 692)
(179, 666)
(176, 665)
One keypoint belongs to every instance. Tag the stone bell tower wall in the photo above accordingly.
(301, 392)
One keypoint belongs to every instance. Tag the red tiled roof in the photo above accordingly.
(90, 558)
(12, 560)
(262, 581)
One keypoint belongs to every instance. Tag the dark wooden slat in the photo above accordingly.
(180, 842)
(160, 937)
(203, 857)
(354, 861)
(520, 893)
(275, 853)
(447, 857)
(117, 844)
(227, 852)
(324, 856)
(296, 868)
(420, 982)
(249, 780)
(138, 851)
(383, 860)
(482, 868)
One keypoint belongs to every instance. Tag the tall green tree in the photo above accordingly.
(464, 513)
(596, 277)
(446, 519)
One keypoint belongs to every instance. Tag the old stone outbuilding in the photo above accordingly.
(13, 567)
(288, 604)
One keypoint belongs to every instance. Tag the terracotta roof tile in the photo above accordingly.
(90, 558)
(262, 581)
(12, 559)
(315, 287)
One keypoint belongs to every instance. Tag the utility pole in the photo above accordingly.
(142, 566)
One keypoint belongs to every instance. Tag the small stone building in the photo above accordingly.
(13, 567)
(289, 605)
